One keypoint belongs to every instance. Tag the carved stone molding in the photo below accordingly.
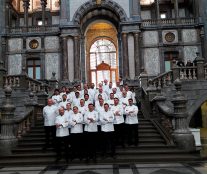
(92, 5)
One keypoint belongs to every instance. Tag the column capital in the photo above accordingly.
(43, 3)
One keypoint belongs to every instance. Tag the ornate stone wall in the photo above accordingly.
(15, 44)
(52, 43)
(152, 61)
(146, 14)
(150, 38)
(190, 52)
(55, 20)
(189, 36)
(14, 64)
(52, 64)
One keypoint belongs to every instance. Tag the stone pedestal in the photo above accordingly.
(42, 96)
(182, 135)
(8, 138)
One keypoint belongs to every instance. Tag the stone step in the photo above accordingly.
(28, 161)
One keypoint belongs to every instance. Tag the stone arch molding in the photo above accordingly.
(91, 5)
(195, 105)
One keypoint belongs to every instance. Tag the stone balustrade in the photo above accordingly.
(22, 81)
(168, 22)
(34, 29)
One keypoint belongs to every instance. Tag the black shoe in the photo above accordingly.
(57, 160)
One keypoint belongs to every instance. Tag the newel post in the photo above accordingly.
(8, 134)
(182, 134)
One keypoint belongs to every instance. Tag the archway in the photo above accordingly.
(198, 123)
(101, 52)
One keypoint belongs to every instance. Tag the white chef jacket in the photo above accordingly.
(49, 115)
(76, 122)
(107, 119)
(99, 109)
(91, 126)
(118, 119)
(131, 118)
(124, 102)
(76, 101)
(82, 109)
(129, 94)
(62, 131)
(63, 104)
(104, 96)
(57, 99)
(110, 102)
(92, 93)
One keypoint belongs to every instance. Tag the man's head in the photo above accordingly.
(101, 102)
(130, 102)
(86, 97)
(90, 107)
(68, 106)
(106, 106)
(110, 84)
(105, 81)
(92, 85)
(77, 94)
(82, 102)
(64, 97)
(75, 109)
(50, 102)
(111, 96)
(56, 92)
(61, 111)
(116, 101)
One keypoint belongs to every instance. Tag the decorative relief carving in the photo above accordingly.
(189, 35)
(169, 36)
(150, 37)
(33, 44)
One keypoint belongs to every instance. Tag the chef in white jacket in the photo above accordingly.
(107, 127)
(49, 114)
(76, 136)
(131, 122)
(62, 134)
(91, 129)
(117, 110)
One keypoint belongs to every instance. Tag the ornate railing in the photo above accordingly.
(23, 81)
(168, 22)
(34, 29)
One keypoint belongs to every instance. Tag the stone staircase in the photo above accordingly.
(152, 148)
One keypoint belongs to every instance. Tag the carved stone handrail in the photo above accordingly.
(162, 80)
(168, 22)
(34, 29)
(22, 81)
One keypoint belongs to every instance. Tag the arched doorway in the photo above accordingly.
(101, 52)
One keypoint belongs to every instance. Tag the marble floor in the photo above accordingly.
(145, 168)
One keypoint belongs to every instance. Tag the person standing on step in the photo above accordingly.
(49, 115)
(107, 128)
(62, 135)
(91, 129)
(131, 122)
(76, 122)
(117, 110)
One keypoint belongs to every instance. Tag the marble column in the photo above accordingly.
(76, 58)
(176, 9)
(26, 7)
(64, 14)
(137, 55)
(83, 72)
(125, 56)
(136, 10)
(65, 59)
(43, 4)
(157, 2)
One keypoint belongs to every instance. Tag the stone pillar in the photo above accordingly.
(43, 4)
(202, 38)
(64, 12)
(136, 10)
(137, 55)
(182, 135)
(7, 8)
(8, 135)
(65, 58)
(157, 2)
(83, 72)
(26, 7)
(42, 96)
(77, 58)
(200, 67)
(2, 74)
(176, 9)
(125, 56)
